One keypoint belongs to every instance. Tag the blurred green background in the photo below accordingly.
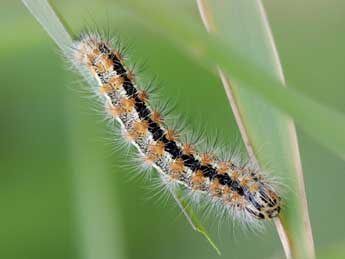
(65, 192)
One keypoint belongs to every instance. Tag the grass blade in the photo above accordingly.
(100, 231)
(46, 16)
(243, 107)
(193, 219)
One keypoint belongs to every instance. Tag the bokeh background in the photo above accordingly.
(65, 192)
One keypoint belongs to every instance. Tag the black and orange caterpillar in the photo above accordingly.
(243, 190)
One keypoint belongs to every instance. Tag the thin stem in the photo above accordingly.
(301, 189)
(182, 208)
(238, 116)
(293, 139)
(283, 237)
(210, 27)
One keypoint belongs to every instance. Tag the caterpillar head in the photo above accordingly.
(264, 203)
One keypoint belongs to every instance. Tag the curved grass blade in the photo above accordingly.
(248, 29)
(193, 219)
(99, 224)
(49, 20)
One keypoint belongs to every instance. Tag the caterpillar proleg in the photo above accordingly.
(241, 190)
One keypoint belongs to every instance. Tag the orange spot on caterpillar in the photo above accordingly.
(115, 111)
(107, 63)
(171, 135)
(244, 182)
(143, 96)
(90, 58)
(223, 167)
(253, 188)
(96, 52)
(177, 166)
(215, 188)
(229, 195)
(104, 89)
(140, 127)
(89, 64)
(117, 81)
(188, 149)
(130, 76)
(206, 159)
(226, 193)
(235, 175)
(156, 149)
(236, 198)
(93, 55)
(197, 180)
(100, 68)
(156, 117)
(128, 104)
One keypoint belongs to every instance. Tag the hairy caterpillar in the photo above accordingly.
(242, 190)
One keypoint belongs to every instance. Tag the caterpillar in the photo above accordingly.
(241, 190)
